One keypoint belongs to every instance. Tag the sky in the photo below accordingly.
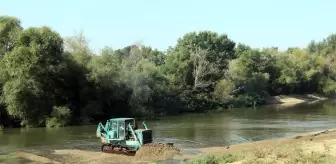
(159, 23)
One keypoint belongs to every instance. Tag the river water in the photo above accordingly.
(188, 131)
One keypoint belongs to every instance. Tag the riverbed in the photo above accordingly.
(189, 131)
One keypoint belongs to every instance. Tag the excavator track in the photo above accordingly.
(117, 149)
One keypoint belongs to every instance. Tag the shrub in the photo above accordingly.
(60, 117)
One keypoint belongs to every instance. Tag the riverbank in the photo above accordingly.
(317, 147)
(294, 99)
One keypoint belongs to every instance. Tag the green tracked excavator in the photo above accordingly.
(123, 136)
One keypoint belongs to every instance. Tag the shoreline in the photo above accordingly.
(321, 142)
(304, 145)
(294, 99)
(297, 136)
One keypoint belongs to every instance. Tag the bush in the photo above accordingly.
(60, 117)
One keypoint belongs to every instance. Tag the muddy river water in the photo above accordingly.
(188, 131)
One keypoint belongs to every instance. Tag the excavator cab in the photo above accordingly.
(117, 129)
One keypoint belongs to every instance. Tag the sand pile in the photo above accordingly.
(157, 151)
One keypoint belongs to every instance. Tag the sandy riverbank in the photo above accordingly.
(157, 152)
(318, 147)
(294, 99)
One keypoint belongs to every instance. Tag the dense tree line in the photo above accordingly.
(48, 80)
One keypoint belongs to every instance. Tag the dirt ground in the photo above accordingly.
(146, 154)
(317, 147)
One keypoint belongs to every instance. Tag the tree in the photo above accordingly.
(48, 81)
(202, 70)
(179, 63)
(220, 48)
(241, 48)
(153, 55)
(111, 94)
(33, 67)
(248, 76)
(9, 28)
(78, 46)
(144, 78)
(324, 47)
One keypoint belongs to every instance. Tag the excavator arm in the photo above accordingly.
(100, 129)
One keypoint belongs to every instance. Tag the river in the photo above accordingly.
(189, 130)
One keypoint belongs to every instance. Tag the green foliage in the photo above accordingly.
(78, 46)
(31, 70)
(9, 28)
(47, 80)
(249, 76)
(223, 89)
(60, 116)
(144, 78)
(211, 47)
(328, 86)
(19, 99)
